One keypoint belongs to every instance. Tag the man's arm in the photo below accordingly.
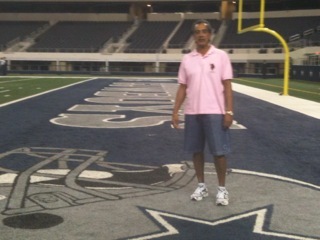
(228, 118)
(180, 96)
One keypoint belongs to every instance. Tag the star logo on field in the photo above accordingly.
(252, 225)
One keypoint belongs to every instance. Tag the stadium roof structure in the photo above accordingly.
(159, 6)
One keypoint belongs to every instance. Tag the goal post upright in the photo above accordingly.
(261, 28)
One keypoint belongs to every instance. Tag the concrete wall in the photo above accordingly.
(169, 57)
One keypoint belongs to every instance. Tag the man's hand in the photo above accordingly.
(175, 120)
(180, 96)
(227, 120)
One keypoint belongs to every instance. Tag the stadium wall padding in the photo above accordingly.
(311, 73)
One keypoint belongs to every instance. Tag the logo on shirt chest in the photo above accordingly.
(212, 66)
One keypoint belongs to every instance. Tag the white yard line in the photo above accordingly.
(41, 76)
(309, 108)
(42, 93)
(20, 80)
(27, 78)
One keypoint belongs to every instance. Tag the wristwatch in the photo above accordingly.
(229, 113)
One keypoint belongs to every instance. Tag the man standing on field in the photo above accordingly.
(205, 83)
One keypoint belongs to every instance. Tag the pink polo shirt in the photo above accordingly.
(203, 76)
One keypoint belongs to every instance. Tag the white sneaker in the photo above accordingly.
(199, 193)
(222, 197)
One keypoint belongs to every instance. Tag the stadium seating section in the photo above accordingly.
(286, 27)
(12, 31)
(150, 36)
(79, 36)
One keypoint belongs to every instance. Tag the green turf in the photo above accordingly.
(13, 88)
(297, 88)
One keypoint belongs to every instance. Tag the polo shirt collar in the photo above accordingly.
(210, 51)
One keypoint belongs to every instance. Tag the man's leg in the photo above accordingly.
(220, 163)
(198, 163)
(222, 197)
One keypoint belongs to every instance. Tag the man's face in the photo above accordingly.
(202, 35)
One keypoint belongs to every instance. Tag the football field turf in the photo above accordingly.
(18, 87)
(97, 159)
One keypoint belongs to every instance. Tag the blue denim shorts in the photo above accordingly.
(207, 129)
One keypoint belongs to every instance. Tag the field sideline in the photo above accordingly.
(297, 88)
(13, 88)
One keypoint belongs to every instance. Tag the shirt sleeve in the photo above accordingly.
(182, 75)
(227, 73)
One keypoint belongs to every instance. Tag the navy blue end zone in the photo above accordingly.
(276, 141)
(28, 124)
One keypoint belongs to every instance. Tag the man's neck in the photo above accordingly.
(203, 49)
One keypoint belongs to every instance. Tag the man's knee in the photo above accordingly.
(220, 158)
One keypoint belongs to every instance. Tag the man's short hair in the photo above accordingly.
(206, 22)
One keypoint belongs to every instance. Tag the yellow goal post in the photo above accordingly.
(261, 28)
